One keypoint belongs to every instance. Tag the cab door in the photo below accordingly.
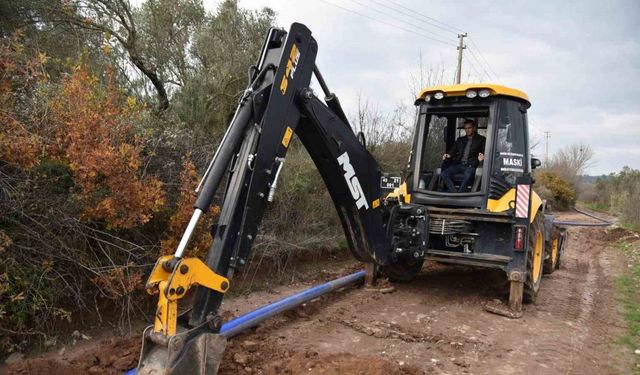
(511, 157)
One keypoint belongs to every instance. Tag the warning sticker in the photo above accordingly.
(287, 137)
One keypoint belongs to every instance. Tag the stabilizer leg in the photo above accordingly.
(515, 296)
(514, 310)
(371, 275)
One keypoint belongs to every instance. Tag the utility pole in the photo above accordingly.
(546, 148)
(461, 46)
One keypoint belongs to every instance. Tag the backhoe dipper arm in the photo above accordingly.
(277, 104)
(351, 174)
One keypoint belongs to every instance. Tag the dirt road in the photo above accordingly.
(437, 325)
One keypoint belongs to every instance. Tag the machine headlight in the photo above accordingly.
(427, 98)
(484, 93)
(439, 95)
(471, 94)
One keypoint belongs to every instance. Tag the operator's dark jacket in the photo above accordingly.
(477, 146)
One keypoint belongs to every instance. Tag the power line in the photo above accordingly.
(486, 73)
(432, 20)
(404, 21)
(410, 15)
(386, 23)
(478, 61)
(478, 67)
(475, 46)
(446, 27)
(478, 73)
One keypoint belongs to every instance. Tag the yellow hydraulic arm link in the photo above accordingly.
(171, 278)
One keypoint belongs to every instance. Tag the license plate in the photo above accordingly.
(390, 182)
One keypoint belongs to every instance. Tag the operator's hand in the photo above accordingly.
(446, 156)
(481, 157)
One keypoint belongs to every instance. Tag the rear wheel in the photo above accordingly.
(562, 243)
(535, 253)
(553, 251)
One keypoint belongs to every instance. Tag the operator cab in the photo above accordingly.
(500, 116)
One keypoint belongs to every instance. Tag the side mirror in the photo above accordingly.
(535, 163)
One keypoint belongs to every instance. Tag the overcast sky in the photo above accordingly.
(579, 61)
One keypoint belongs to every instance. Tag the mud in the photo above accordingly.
(434, 325)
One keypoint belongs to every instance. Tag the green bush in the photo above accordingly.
(560, 195)
(620, 192)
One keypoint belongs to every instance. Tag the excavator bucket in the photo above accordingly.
(184, 353)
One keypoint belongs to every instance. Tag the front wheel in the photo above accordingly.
(535, 252)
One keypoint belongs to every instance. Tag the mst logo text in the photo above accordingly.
(352, 181)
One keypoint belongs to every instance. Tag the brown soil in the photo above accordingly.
(617, 234)
(108, 356)
(434, 325)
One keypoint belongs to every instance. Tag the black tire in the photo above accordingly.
(402, 272)
(564, 238)
(552, 249)
(531, 285)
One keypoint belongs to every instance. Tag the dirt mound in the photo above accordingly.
(251, 357)
(109, 356)
(615, 234)
(341, 363)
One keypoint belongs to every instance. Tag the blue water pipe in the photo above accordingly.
(255, 317)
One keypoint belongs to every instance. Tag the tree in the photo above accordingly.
(19, 78)
(63, 43)
(94, 135)
(72, 187)
(560, 181)
(82, 157)
(571, 162)
(114, 19)
(167, 30)
(422, 76)
(222, 51)
(387, 135)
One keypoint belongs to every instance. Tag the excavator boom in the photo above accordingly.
(277, 104)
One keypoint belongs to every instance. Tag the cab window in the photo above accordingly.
(442, 128)
(511, 158)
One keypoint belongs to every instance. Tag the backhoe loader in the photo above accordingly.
(495, 220)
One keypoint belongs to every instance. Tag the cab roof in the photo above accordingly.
(461, 90)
